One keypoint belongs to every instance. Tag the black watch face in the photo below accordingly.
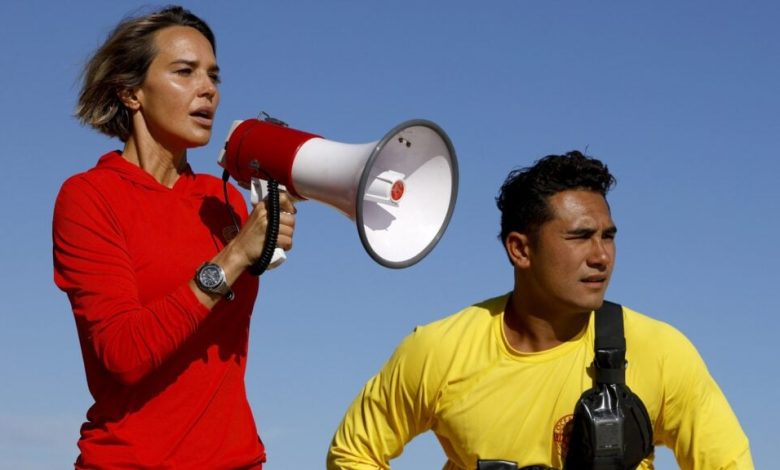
(210, 277)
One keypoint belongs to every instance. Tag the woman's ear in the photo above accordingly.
(129, 98)
(517, 247)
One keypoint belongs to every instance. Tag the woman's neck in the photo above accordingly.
(163, 164)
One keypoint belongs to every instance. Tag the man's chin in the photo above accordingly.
(592, 303)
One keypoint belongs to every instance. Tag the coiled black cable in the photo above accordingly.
(271, 232)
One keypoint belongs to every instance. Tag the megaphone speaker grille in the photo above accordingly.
(407, 193)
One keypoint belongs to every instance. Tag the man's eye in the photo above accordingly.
(580, 236)
(184, 72)
(215, 78)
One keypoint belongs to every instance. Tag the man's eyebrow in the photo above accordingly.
(580, 231)
(588, 231)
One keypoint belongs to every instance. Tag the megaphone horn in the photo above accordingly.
(400, 190)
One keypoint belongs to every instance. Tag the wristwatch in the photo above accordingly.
(210, 278)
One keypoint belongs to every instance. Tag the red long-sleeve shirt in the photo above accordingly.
(167, 374)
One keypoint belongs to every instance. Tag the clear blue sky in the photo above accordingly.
(680, 99)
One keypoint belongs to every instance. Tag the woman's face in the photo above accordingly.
(179, 96)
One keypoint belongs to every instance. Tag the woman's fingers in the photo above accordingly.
(286, 230)
(286, 203)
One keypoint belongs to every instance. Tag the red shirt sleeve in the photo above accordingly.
(92, 265)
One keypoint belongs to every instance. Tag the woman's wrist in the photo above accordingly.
(233, 261)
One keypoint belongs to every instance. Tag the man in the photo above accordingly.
(500, 379)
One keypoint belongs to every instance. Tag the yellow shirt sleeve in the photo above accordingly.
(392, 408)
(695, 419)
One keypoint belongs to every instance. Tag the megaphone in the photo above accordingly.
(400, 190)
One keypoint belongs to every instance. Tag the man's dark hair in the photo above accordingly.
(524, 194)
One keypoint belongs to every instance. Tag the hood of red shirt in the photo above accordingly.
(115, 162)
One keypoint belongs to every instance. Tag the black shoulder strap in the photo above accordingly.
(610, 347)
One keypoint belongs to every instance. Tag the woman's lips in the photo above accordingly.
(203, 116)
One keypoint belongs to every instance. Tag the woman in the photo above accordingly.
(152, 263)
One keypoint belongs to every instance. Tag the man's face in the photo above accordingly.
(572, 255)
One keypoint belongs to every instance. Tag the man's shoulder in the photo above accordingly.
(481, 313)
(463, 341)
(636, 320)
(647, 333)
(474, 321)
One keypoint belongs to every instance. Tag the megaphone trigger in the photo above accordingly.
(258, 190)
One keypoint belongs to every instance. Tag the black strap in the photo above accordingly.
(610, 347)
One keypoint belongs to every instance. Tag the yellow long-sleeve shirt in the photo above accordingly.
(460, 378)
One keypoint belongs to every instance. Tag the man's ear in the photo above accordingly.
(129, 98)
(517, 247)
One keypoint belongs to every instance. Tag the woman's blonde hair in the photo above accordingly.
(121, 63)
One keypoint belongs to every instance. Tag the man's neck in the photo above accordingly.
(531, 327)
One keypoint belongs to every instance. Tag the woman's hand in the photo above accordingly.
(251, 239)
(245, 249)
